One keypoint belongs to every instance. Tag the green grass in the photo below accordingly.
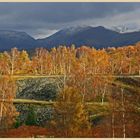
(28, 101)
(31, 101)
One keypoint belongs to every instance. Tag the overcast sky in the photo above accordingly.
(43, 19)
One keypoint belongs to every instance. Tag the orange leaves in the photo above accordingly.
(7, 109)
(70, 116)
(70, 60)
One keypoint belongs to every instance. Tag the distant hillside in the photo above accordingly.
(21, 40)
(99, 37)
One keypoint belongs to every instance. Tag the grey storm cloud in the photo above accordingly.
(46, 18)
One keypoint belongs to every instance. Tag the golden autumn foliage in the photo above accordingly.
(7, 109)
(83, 70)
(68, 60)
(70, 117)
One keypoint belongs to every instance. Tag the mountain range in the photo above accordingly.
(98, 37)
(126, 28)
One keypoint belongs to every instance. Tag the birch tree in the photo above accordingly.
(7, 109)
